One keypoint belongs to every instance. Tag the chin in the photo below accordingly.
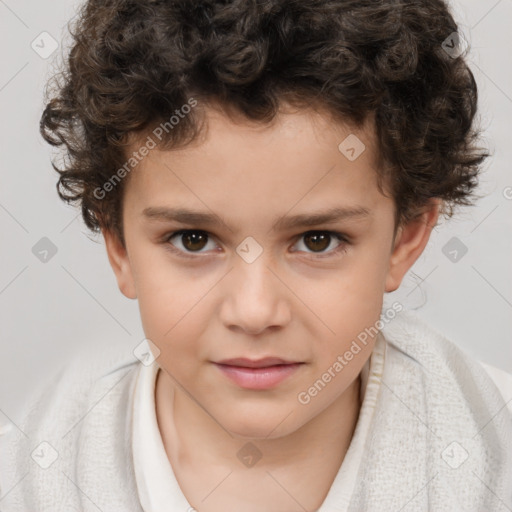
(264, 426)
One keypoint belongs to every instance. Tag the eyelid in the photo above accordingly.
(341, 237)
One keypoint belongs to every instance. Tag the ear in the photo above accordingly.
(120, 263)
(410, 241)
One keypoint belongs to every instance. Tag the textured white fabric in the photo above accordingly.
(83, 418)
(423, 395)
(441, 436)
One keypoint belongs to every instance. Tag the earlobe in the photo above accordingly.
(120, 263)
(410, 242)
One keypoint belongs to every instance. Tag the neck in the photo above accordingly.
(194, 440)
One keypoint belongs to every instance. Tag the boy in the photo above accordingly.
(262, 174)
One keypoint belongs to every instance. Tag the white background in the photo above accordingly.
(51, 310)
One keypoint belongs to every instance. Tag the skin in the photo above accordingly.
(288, 303)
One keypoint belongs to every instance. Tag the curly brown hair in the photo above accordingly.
(133, 63)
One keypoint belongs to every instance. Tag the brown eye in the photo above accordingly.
(317, 242)
(191, 240)
(194, 240)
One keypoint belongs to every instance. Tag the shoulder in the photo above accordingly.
(82, 412)
(83, 383)
(503, 381)
(423, 345)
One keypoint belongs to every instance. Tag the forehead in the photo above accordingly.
(300, 131)
(246, 169)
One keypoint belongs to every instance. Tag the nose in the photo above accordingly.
(255, 298)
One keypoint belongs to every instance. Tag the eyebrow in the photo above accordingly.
(191, 217)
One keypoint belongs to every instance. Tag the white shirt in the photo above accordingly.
(158, 488)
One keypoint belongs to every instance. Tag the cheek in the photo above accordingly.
(169, 299)
(353, 295)
(349, 305)
(174, 325)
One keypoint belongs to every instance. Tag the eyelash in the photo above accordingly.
(342, 248)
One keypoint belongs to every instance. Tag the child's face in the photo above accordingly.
(204, 299)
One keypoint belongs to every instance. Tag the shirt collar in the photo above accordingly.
(157, 486)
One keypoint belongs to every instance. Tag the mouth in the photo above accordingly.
(265, 362)
(258, 374)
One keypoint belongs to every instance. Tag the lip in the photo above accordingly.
(262, 374)
(255, 363)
